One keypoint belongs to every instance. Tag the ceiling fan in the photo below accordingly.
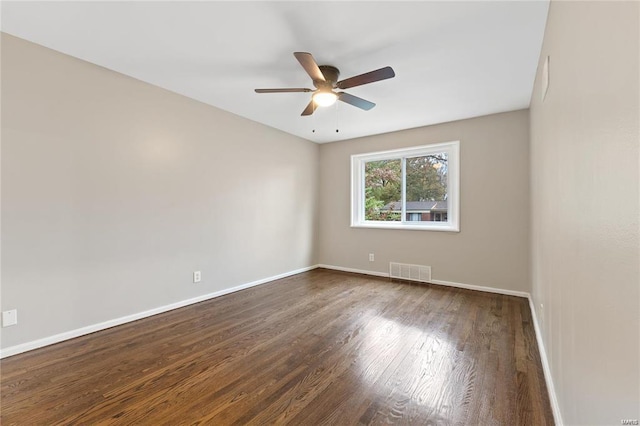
(325, 79)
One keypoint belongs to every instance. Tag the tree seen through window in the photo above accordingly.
(426, 188)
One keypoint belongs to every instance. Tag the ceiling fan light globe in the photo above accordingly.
(323, 99)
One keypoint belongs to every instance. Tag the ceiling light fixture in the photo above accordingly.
(324, 99)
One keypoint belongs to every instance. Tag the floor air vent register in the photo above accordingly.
(404, 271)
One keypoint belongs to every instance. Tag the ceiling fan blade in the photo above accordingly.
(370, 77)
(310, 66)
(309, 109)
(292, 90)
(356, 101)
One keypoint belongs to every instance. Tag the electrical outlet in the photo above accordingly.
(372, 257)
(9, 318)
(197, 276)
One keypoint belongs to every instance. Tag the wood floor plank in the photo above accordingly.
(322, 347)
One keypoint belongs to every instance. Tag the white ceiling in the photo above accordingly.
(453, 60)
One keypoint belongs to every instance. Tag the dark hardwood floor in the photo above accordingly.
(322, 347)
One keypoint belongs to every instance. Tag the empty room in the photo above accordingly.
(320, 213)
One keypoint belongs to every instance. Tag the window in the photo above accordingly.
(414, 217)
(412, 188)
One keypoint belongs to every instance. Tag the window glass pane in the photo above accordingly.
(383, 190)
(427, 188)
(413, 188)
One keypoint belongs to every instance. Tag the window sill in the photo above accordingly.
(391, 225)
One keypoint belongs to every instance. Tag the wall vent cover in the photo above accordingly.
(405, 271)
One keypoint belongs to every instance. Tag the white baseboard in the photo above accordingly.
(482, 288)
(57, 338)
(438, 282)
(356, 271)
(557, 416)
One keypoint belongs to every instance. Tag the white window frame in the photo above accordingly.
(358, 162)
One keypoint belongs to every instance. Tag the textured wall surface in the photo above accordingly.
(585, 238)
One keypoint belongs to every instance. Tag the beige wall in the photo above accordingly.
(114, 191)
(492, 247)
(584, 180)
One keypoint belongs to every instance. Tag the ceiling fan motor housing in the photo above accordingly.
(330, 74)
